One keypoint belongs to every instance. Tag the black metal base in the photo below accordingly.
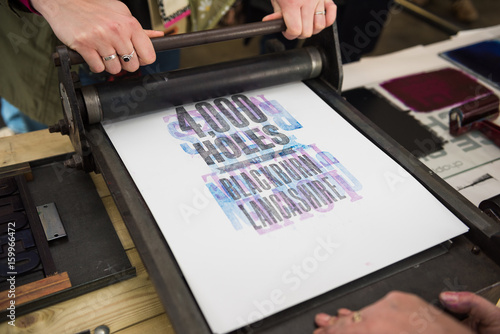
(91, 253)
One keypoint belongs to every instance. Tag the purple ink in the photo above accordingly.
(429, 91)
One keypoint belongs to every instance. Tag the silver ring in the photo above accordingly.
(126, 58)
(320, 13)
(113, 56)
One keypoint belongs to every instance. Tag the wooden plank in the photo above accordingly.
(491, 293)
(112, 210)
(31, 291)
(118, 224)
(31, 146)
(100, 184)
(17, 169)
(158, 324)
(118, 306)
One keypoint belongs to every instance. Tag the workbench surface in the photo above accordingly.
(130, 306)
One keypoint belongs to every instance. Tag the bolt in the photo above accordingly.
(70, 163)
(103, 329)
(60, 126)
(475, 250)
(75, 161)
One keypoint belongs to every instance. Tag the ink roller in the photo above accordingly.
(155, 91)
(477, 115)
(83, 106)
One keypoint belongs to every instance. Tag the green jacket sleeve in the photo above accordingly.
(28, 77)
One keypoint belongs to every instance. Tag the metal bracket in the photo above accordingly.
(327, 42)
(72, 124)
(51, 222)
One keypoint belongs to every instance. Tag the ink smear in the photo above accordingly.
(398, 124)
(435, 90)
(481, 60)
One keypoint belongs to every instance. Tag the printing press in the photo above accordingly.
(467, 262)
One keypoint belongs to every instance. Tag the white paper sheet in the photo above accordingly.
(242, 269)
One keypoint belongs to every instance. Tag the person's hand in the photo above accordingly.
(303, 18)
(484, 317)
(100, 28)
(396, 313)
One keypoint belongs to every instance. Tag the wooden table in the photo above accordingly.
(130, 306)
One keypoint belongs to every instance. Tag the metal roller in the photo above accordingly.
(84, 106)
(171, 42)
(163, 90)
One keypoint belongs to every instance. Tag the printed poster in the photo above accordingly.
(269, 198)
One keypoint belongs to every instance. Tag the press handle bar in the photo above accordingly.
(171, 42)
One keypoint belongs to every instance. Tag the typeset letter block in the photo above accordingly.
(27, 270)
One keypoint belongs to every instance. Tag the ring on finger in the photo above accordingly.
(126, 58)
(323, 12)
(356, 316)
(110, 57)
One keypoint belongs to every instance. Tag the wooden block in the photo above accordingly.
(32, 146)
(100, 185)
(35, 290)
(18, 169)
(118, 306)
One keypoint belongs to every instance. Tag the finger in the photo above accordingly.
(111, 60)
(144, 48)
(307, 14)
(124, 44)
(319, 19)
(344, 312)
(127, 53)
(128, 57)
(331, 12)
(323, 319)
(154, 33)
(293, 22)
(93, 59)
(273, 16)
(475, 306)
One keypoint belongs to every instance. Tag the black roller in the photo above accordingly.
(159, 91)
